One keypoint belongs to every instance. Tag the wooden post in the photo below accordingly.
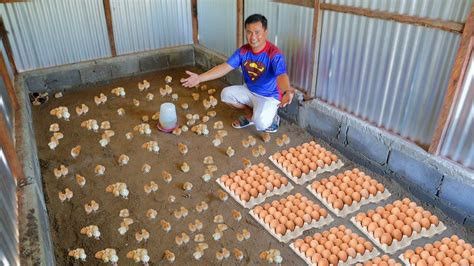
(240, 23)
(194, 14)
(8, 83)
(8, 47)
(455, 82)
(110, 28)
(315, 40)
(6, 142)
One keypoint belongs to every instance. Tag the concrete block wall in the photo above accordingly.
(430, 178)
(63, 78)
(207, 59)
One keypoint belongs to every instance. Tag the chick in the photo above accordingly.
(81, 181)
(185, 167)
(183, 149)
(76, 151)
(230, 152)
(167, 177)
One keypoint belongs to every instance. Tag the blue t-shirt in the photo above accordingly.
(260, 69)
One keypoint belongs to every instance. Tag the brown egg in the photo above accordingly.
(425, 223)
(323, 213)
(263, 214)
(364, 193)
(269, 218)
(368, 246)
(296, 172)
(386, 238)
(274, 223)
(298, 243)
(280, 229)
(299, 222)
(245, 196)
(305, 169)
(292, 216)
(360, 248)
(253, 192)
(378, 233)
(283, 181)
(397, 234)
(434, 220)
(338, 204)
(307, 218)
(315, 215)
(372, 190)
(347, 200)
(290, 225)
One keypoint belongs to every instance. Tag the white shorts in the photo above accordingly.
(264, 108)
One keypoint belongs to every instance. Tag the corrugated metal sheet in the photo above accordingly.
(458, 143)
(391, 74)
(295, 25)
(289, 28)
(145, 25)
(8, 217)
(218, 25)
(451, 10)
(46, 33)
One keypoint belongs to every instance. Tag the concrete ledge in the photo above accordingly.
(431, 178)
(35, 236)
(62, 78)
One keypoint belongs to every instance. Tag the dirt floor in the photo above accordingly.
(68, 218)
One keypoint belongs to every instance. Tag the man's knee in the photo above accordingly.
(262, 122)
(226, 95)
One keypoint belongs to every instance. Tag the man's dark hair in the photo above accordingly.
(256, 18)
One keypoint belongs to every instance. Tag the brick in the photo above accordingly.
(154, 62)
(181, 58)
(458, 194)
(451, 211)
(367, 144)
(469, 223)
(124, 68)
(95, 73)
(65, 79)
(415, 171)
(36, 83)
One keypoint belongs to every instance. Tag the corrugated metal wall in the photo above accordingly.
(146, 25)
(46, 33)
(458, 143)
(8, 220)
(289, 27)
(8, 203)
(391, 74)
(218, 25)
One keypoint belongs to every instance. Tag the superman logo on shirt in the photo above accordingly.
(254, 69)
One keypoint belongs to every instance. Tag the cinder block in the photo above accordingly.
(181, 58)
(201, 60)
(124, 68)
(318, 121)
(458, 194)
(469, 223)
(451, 211)
(368, 145)
(95, 73)
(414, 170)
(36, 83)
(291, 111)
(153, 62)
(64, 79)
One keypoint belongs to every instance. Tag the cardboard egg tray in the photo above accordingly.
(311, 175)
(352, 208)
(261, 198)
(407, 262)
(295, 233)
(406, 240)
(350, 261)
(371, 261)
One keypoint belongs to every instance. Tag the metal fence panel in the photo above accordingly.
(391, 74)
(146, 25)
(46, 33)
(458, 143)
(218, 25)
(8, 219)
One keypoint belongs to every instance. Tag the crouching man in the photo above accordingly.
(267, 86)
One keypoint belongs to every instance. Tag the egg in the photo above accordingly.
(307, 218)
(290, 225)
(280, 229)
(296, 172)
(299, 222)
(425, 223)
(386, 238)
(434, 220)
(245, 196)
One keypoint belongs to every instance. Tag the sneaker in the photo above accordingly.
(275, 125)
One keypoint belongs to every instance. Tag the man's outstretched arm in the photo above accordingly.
(283, 82)
(214, 73)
